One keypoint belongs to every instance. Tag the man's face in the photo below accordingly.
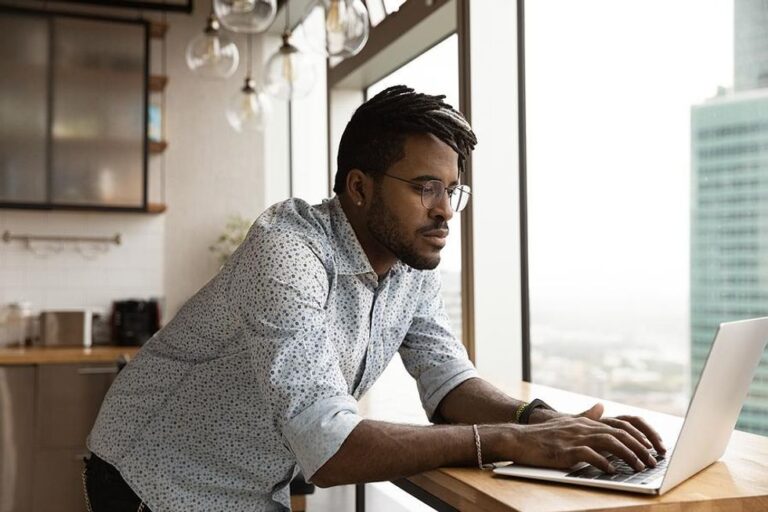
(397, 218)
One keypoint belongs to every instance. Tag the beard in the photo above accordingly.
(385, 228)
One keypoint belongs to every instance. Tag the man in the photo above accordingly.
(259, 373)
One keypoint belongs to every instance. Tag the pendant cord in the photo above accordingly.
(287, 16)
(250, 38)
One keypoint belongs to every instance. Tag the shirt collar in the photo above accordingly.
(350, 256)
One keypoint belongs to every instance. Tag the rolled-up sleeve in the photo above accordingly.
(430, 352)
(280, 287)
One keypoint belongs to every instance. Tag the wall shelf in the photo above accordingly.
(157, 29)
(157, 83)
(157, 147)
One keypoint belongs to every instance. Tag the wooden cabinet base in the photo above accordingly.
(298, 503)
(58, 480)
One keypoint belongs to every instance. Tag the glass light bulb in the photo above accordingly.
(346, 27)
(246, 16)
(341, 31)
(212, 54)
(247, 109)
(290, 73)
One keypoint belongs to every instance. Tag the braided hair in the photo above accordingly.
(374, 138)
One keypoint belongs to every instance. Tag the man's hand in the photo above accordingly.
(563, 441)
(632, 432)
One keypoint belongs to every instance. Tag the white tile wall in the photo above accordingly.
(134, 269)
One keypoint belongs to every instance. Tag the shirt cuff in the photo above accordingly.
(317, 433)
(437, 382)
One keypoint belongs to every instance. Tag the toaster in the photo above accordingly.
(66, 327)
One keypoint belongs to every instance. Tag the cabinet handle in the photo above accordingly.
(96, 370)
(80, 456)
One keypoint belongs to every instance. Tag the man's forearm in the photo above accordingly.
(376, 451)
(476, 401)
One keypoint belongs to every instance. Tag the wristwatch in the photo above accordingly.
(525, 414)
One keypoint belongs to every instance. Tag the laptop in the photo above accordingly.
(708, 424)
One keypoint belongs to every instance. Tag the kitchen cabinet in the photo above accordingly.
(46, 413)
(74, 130)
(17, 419)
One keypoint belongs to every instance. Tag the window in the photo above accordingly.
(309, 178)
(646, 172)
(436, 71)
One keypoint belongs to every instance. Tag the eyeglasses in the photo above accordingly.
(432, 193)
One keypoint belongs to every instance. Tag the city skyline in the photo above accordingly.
(729, 223)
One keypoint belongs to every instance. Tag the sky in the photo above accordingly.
(609, 87)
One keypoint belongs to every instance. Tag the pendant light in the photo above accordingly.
(246, 16)
(290, 73)
(212, 54)
(246, 110)
(346, 28)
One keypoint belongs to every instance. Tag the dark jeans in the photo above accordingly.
(106, 490)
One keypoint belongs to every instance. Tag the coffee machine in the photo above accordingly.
(134, 321)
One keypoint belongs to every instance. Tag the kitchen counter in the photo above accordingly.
(64, 355)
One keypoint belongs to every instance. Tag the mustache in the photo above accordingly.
(435, 227)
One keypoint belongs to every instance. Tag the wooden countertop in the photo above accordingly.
(64, 355)
(738, 481)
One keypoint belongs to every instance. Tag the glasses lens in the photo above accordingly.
(459, 197)
(431, 193)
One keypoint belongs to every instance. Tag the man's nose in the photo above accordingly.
(442, 207)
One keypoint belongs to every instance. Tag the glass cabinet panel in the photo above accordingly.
(23, 108)
(98, 116)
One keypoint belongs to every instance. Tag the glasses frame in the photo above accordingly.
(423, 185)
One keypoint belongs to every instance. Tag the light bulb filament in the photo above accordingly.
(336, 17)
(288, 72)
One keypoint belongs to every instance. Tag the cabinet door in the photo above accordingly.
(99, 106)
(17, 398)
(68, 400)
(23, 108)
(58, 481)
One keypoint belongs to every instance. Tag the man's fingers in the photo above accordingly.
(594, 413)
(636, 446)
(653, 436)
(609, 443)
(628, 427)
(587, 454)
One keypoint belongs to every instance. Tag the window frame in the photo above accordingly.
(525, 305)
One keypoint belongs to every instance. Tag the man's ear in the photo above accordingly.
(358, 187)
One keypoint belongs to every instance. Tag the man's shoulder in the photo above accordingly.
(296, 215)
(293, 225)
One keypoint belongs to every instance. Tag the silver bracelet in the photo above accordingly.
(480, 452)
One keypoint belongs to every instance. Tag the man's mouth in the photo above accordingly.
(436, 233)
(436, 237)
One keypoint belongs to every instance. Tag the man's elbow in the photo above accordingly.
(323, 479)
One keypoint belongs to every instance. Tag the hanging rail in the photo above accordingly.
(27, 239)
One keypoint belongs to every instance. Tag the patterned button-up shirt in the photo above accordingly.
(259, 373)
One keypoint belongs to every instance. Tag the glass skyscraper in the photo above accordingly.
(729, 204)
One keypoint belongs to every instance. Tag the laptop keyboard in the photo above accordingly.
(624, 472)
